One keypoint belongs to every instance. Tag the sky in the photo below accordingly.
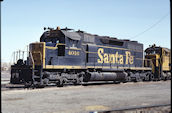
(145, 21)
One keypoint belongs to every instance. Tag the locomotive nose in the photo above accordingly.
(37, 51)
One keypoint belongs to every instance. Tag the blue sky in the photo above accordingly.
(23, 20)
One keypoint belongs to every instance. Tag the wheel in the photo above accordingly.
(137, 79)
(146, 78)
(127, 79)
(27, 84)
(151, 77)
(164, 76)
(45, 81)
(168, 76)
(78, 81)
(60, 83)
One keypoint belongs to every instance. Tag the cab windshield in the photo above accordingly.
(153, 51)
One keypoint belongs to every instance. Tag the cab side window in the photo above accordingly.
(73, 43)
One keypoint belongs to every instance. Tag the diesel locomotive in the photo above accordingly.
(67, 56)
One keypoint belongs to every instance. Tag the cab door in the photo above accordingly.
(157, 67)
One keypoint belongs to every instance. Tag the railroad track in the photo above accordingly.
(9, 86)
(160, 108)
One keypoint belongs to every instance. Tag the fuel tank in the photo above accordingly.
(107, 76)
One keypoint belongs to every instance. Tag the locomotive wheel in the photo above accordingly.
(151, 77)
(127, 79)
(147, 78)
(36, 84)
(77, 82)
(137, 79)
(160, 78)
(169, 78)
(60, 83)
(45, 81)
(27, 84)
(164, 76)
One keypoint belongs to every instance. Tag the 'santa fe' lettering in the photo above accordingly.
(114, 58)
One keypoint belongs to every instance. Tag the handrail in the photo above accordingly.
(16, 55)
(33, 59)
(33, 63)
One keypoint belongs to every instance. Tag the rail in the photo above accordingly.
(127, 109)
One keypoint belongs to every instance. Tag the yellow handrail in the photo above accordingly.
(33, 63)
(33, 59)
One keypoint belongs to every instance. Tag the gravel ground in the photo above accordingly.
(5, 75)
(83, 99)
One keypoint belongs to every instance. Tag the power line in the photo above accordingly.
(153, 25)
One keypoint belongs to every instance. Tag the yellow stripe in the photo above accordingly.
(74, 48)
(132, 68)
(90, 52)
(62, 67)
(140, 68)
(48, 47)
(138, 58)
(100, 67)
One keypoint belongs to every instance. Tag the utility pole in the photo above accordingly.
(0, 45)
(170, 32)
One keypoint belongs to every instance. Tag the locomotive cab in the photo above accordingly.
(40, 51)
(159, 59)
(60, 46)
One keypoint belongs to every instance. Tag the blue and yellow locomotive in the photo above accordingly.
(67, 56)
